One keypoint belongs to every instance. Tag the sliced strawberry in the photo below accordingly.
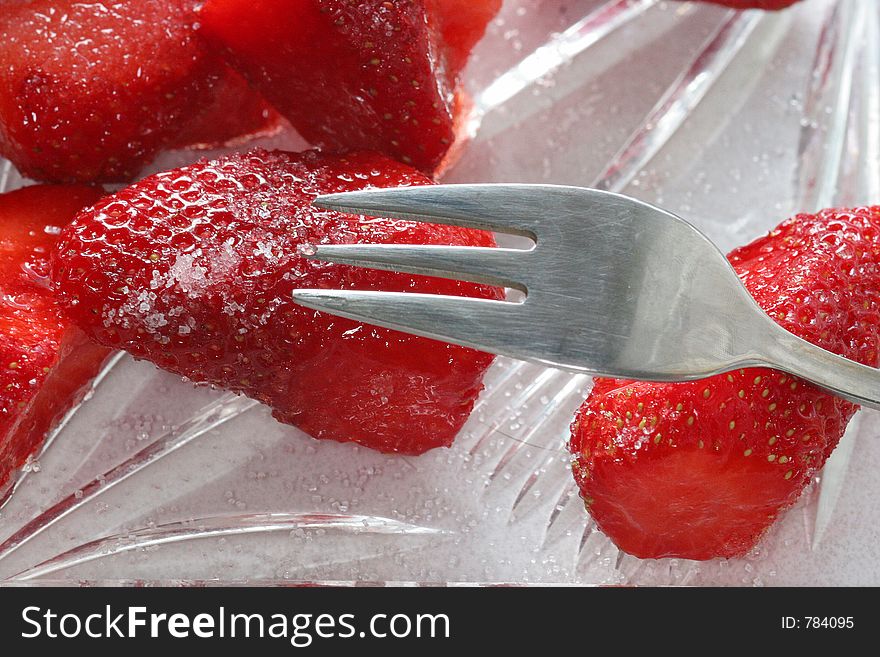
(367, 75)
(702, 469)
(89, 91)
(462, 24)
(194, 270)
(232, 112)
(46, 361)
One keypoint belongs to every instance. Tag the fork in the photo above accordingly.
(613, 287)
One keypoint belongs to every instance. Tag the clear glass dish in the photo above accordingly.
(732, 120)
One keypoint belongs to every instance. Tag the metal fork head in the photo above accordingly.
(613, 285)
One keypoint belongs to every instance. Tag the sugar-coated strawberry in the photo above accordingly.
(193, 269)
(702, 469)
(367, 75)
(45, 361)
(89, 91)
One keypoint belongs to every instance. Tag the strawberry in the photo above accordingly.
(461, 24)
(702, 469)
(231, 112)
(46, 361)
(89, 91)
(367, 75)
(193, 269)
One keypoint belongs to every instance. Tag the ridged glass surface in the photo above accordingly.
(731, 120)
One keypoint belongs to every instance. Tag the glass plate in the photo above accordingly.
(732, 120)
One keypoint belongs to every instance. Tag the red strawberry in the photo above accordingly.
(232, 112)
(194, 269)
(462, 24)
(367, 75)
(45, 360)
(89, 91)
(701, 469)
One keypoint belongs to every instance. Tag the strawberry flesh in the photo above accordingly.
(231, 113)
(90, 91)
(702, 469)
(45, 361)
(369, 75)
(193, 269)
(462, 24)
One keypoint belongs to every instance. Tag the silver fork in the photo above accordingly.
(614, 287)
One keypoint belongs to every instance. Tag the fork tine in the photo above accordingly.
(492, 266)
(449, 319)
(492, 207)
(545, 213)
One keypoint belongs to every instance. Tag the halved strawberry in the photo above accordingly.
(701, 469)
(368, 75)
(89, 91)
(193, 269)
(44, 361)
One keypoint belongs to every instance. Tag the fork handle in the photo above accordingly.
(845, 378)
